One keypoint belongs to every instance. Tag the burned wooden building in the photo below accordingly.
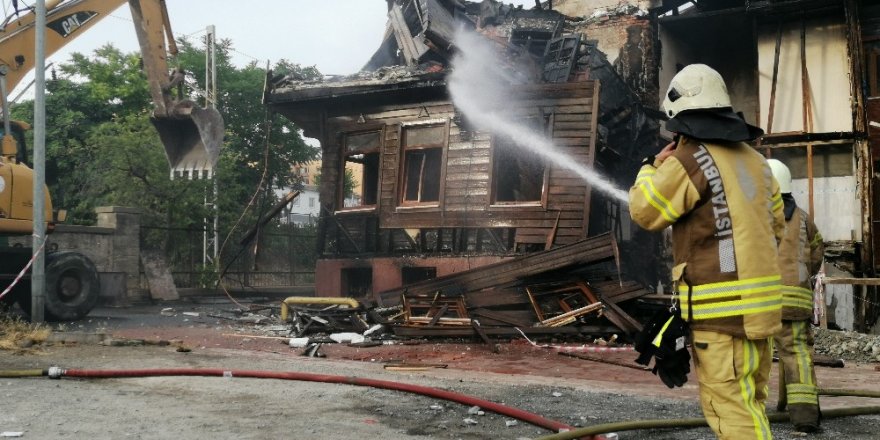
(437, 196)
(806, 71)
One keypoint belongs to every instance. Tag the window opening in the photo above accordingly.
(359, 181)
(422, 163)
(357, 282)
(534, 41)
(519, 174)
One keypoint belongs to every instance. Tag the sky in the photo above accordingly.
(337, 36)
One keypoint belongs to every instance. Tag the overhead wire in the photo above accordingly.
(257, 191)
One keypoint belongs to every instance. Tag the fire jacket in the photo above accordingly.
(726, 214)
(800, 256)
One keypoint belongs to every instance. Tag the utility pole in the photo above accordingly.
(38, 271)
(211, 102)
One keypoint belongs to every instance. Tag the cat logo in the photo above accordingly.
(71, 23)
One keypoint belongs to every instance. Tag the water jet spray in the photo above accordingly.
(484, 92)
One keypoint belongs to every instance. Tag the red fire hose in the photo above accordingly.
(464, 399)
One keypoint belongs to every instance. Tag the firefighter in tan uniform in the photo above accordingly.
(725, 210)
(800, 256)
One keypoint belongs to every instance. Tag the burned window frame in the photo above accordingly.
(402, 181)
(545, 183)
(345, 153)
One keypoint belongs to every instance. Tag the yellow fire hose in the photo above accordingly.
(23, 373)
(700, 422)
(317, 300)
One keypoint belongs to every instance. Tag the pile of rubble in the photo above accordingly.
(852, 346)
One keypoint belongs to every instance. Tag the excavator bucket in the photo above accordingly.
(192, 139)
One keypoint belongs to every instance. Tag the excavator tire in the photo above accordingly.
(72, 286)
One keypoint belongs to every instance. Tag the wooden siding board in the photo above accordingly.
(467, 184)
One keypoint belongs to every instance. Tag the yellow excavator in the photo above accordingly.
(190, 134)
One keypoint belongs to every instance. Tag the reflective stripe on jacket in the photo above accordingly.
(800, 256)
(726, 215)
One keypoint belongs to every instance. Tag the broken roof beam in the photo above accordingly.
(584, 252)
(411, 47)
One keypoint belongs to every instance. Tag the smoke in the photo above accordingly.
(482, 89)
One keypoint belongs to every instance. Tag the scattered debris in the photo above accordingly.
(469, 421)
(312, 350)
(298, 342)
(347, 338)
(167, 311)
(400, 366)
(195, 314)
(510, 423)
(851, 346)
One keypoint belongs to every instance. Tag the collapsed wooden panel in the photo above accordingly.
(592, 250)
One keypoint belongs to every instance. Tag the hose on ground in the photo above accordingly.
(534, 419)
(693, 423)
(508, 411)
(849, 393)
(23, 373)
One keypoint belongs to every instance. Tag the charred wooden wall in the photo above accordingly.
(466, 176)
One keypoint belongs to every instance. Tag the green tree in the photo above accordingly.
(259, 146)
(101, 148)
(84, 93)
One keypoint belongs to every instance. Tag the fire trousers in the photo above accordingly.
(733, 373)
(794, 344)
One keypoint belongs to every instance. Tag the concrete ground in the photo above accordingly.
(569, 390)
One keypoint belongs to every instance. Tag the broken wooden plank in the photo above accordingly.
(467, 331)
(569, 317)
(613, 312)
(621, 319)
(438, 315)
(439, 320)
(504, 317)
(403, 36)
(604, 361)
(411, 366)
(584, 252)
(479, 329)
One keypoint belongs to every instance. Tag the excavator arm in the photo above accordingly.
(191, 135)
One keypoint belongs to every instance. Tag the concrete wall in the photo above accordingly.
(113, 246)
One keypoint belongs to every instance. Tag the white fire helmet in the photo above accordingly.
(782, 175)
(697, 86)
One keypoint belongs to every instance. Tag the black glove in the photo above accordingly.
(673, 369)
(643, 339)
(665, 339)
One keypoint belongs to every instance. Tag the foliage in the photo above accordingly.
(101, 148)
(348, 185)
